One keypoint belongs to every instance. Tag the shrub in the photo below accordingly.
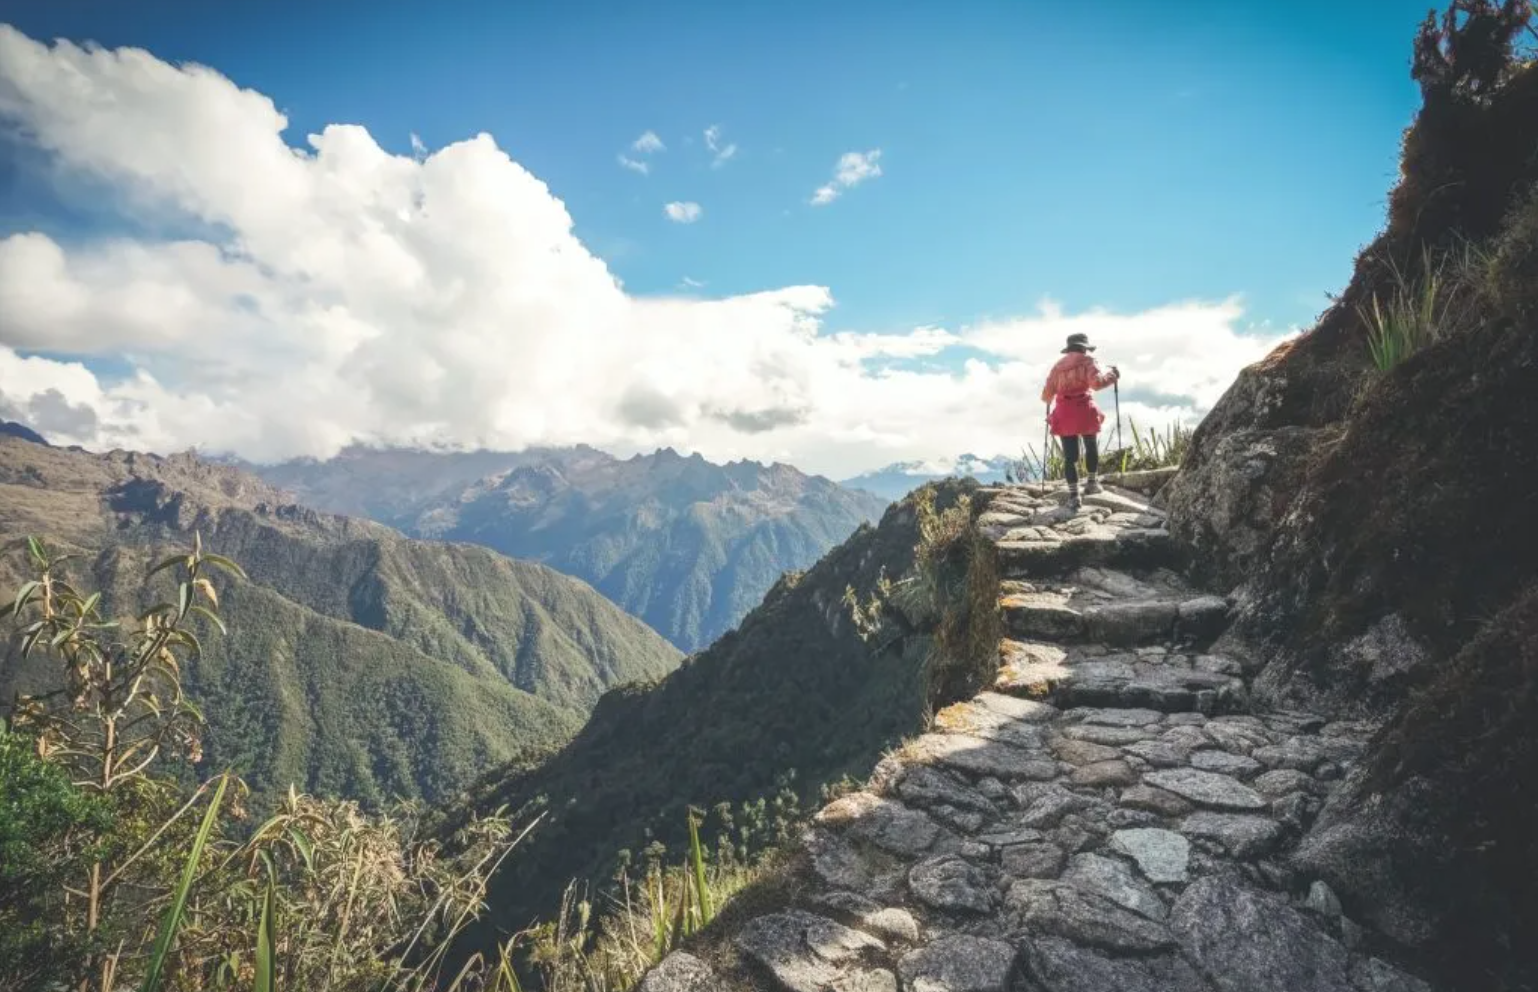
(105, 881)
(49, 831)
(956, 573)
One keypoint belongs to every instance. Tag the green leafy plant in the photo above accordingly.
(120, 707)
(368, 903)
(266, 951)
(50, 834)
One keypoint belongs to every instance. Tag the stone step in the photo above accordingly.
(1061, 615)
(1151, 678)
(1042, 555)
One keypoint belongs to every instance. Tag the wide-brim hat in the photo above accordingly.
(1078, 342)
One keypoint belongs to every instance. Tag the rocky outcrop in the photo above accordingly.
(1375, 529)
(1226, 512)
(1112, 815)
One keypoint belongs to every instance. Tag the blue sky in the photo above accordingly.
(1113, 153)
(1118, 155)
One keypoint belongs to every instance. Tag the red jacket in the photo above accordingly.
(1070, 383)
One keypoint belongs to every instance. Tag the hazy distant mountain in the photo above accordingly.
(686, 545)
(900, 478)
(358, 662)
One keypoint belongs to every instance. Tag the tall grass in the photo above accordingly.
(1046, 466)
(1151, 448)
(645, 920)
(1418, 310)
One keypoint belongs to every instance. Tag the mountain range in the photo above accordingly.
(686, 545)
(804, 693)
(359, 662)
(900, 478)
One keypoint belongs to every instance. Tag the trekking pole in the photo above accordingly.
(1116, 391)
(1046, 432)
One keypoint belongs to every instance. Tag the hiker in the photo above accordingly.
(1073, 416)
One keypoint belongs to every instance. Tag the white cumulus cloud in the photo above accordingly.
(648, 143)
(720, 154)
(683, 213)
(851, 169)
(337, 293)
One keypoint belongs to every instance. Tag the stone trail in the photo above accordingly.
(1111, 817)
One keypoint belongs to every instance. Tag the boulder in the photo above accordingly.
(951, 883)
(1117, 881)
(1246, 940)
(883, 822)
(803, 951)
(1045, 907)
(1055, 965)
(1225, 508)
(1206, 788)
(680, 972)
(958, 964)
(1162, 855)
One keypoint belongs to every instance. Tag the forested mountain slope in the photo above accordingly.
(359, 662)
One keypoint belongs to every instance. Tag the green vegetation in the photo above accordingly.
(806, 692)
(104, 882)
(1150, 449)
(49, 831)
(363, 664)
(1419, 311)
(583, 950)
(687, 546)
(956, 579)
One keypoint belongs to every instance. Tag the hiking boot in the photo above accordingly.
(1073, 503)
(1092, 486)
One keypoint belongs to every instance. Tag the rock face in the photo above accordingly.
(1376, 530)
(1030, 843)
(1227, 507)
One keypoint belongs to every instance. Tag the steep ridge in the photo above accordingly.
(1113, 815)
(1376, 526)
(358, 662)
(804, 692)
(687, 546)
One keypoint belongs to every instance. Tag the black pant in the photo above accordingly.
(1071, 457)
